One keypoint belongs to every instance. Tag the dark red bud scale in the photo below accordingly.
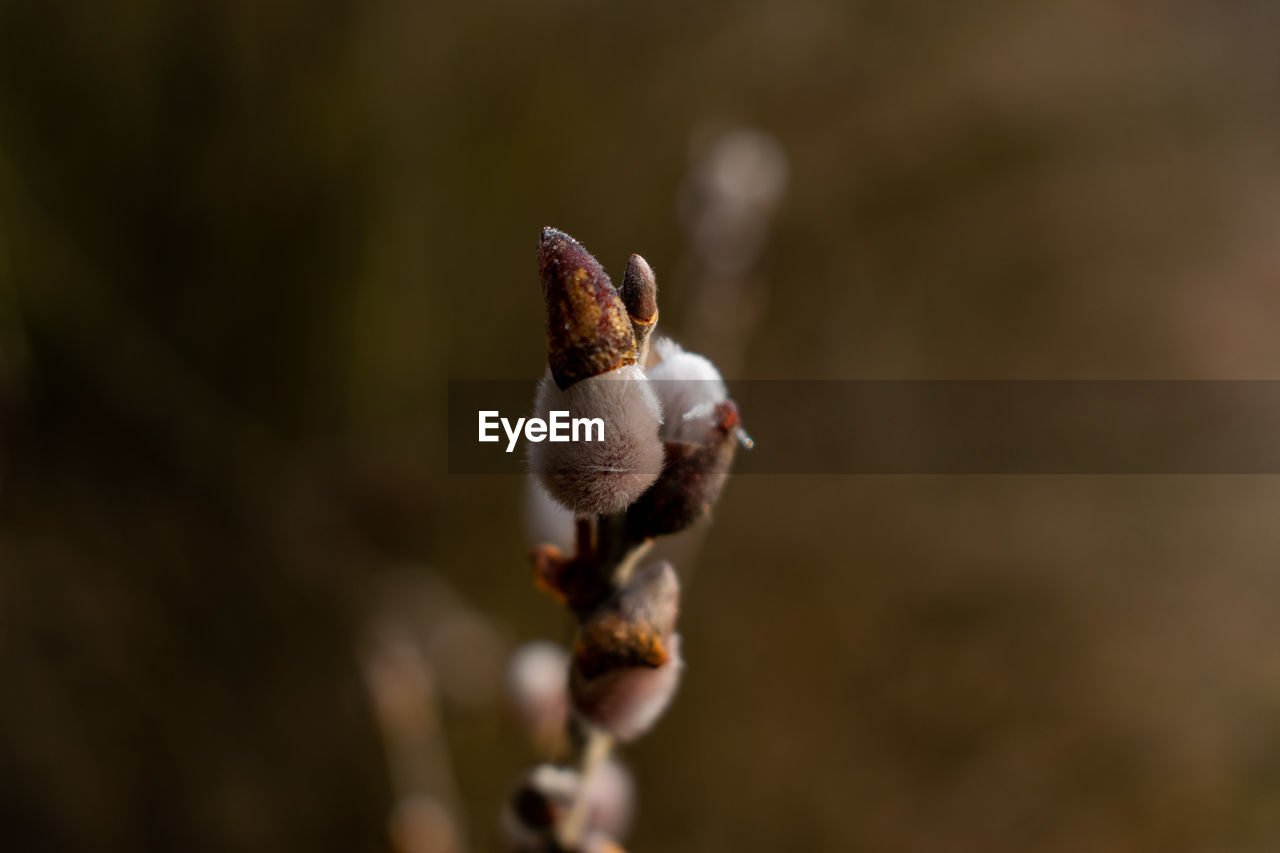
(576, 582)
(588, 330)
(691, 479)
(640, 291)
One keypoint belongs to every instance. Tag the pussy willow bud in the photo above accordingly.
(626, 658)
(538, 686)
(540, 802)
(640, 296)
(688, 386)
(701, 430)
(588, 331)
(607, 473)
(545, 796)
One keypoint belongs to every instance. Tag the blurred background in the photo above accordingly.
(244, 245)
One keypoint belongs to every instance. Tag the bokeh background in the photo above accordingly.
(244, 245)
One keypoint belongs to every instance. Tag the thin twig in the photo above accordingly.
(594, 753)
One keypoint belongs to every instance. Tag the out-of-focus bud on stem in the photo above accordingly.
(546, 795)
(588, 331)
(538, 686)
(541, 800)
(606, 474)
(640, 296)
(626, 658)
(730, 196)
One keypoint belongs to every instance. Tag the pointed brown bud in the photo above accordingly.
(626, 658)
(588, 331)
(640, 296)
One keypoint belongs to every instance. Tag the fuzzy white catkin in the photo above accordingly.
(538, 684)
(545, 519)
(608, 475)
(610, 803)
(689, 387)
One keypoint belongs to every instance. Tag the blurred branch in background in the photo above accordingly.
(737, 179)
(427, 648)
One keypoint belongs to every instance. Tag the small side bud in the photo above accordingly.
(540, 802)
(606, 474)
(538, 686)
(588, 331)
(640, 296)
(626, 658)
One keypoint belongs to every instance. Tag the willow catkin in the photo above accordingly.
(626, 658)
(688, 387)
(605, 475)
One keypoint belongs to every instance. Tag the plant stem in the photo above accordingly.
(594, 753)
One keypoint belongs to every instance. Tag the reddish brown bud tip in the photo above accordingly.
(640, 292)
(588, 331)
(640, 295)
